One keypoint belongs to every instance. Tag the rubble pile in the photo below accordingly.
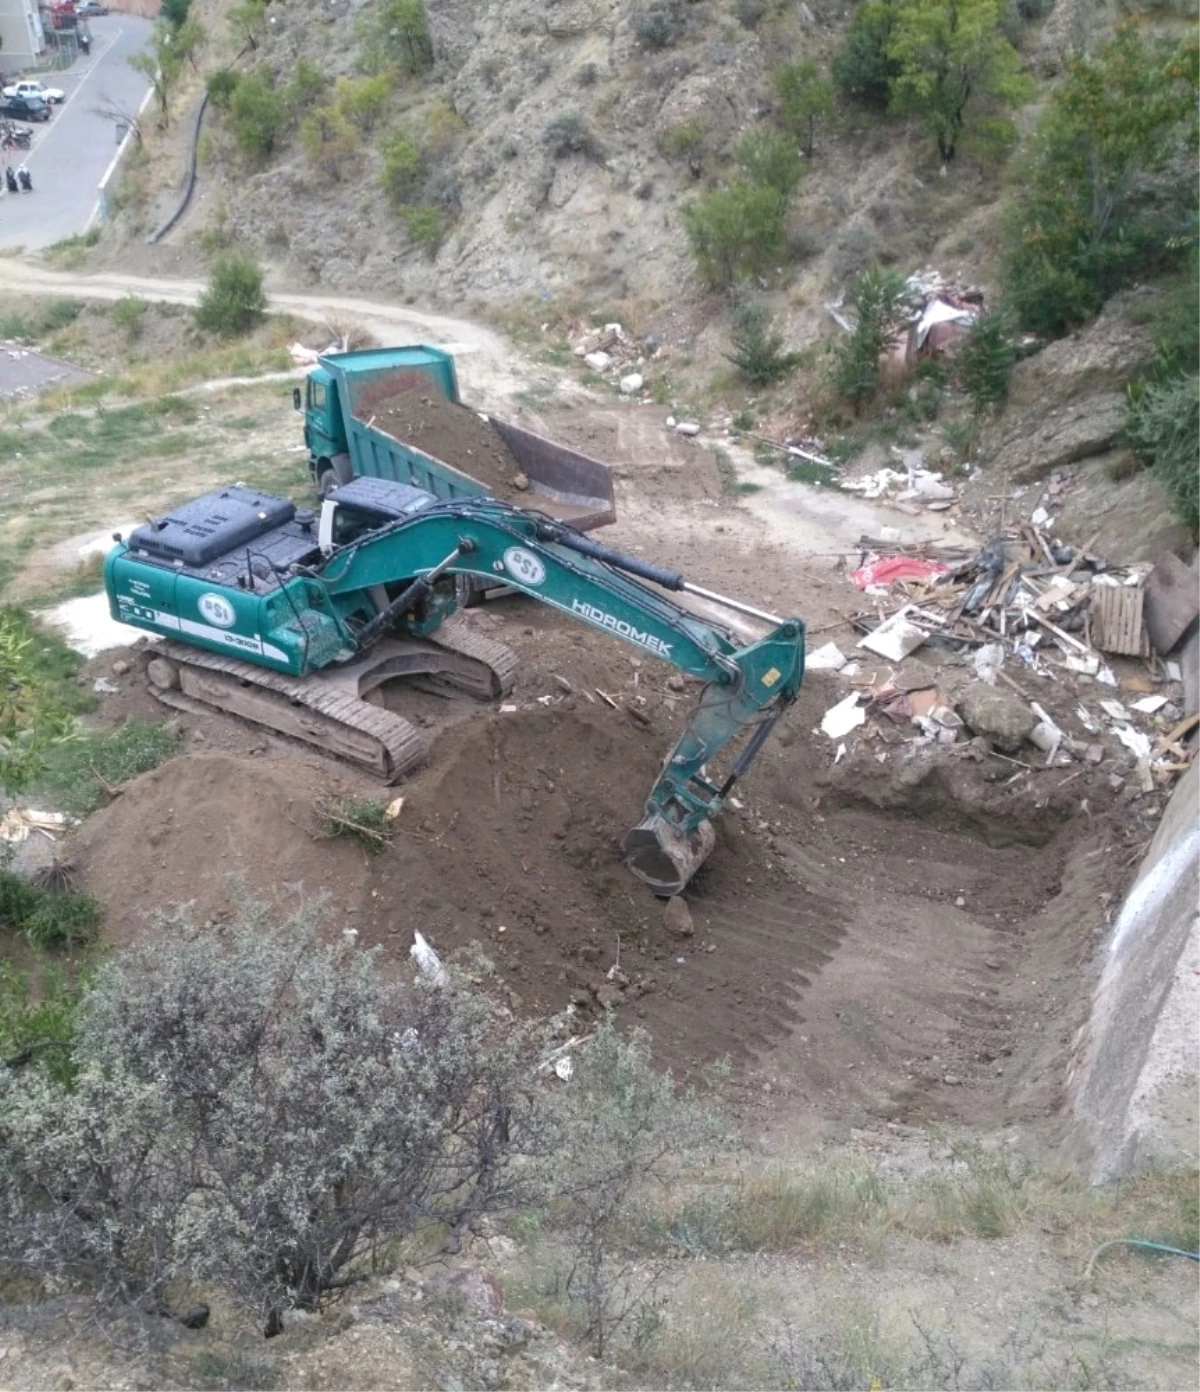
(612, 353)
(1046, 651)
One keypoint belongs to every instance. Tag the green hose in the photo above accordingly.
(1138, 1242)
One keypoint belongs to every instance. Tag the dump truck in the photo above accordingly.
(341, 401)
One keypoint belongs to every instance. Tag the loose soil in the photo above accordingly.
(453, 434)
(898, 939)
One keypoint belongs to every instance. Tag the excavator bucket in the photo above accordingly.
(664, 857)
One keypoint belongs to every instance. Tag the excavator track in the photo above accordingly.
(329, 709)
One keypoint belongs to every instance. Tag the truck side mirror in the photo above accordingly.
(297, 399)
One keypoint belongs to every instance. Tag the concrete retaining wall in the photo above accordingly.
(1136, 1076)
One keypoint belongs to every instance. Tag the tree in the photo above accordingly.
(221, 85)
(861, 69)
(1163, 429)
(769, 160)
(1107, 191)
(806, 101)
(398, 33)
(307, 88)
(736, 231)
(247, 19)
(257, 111)
(985, 361)
(235, 301)
(878, 303)
(161, 65)
(174, 12)
(186, 39)
(757, 346)
(256, 1109)
(950, 56)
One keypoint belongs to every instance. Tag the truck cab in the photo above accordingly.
(324, 430)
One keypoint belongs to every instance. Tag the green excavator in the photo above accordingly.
(304, 622)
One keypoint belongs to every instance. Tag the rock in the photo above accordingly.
(162, 674)
(120, 667)
(610, 996)
(632, 383)
(677, 918)
(195, 1318)
(104, 687)
(998, 714)
(477, 1290)
(1083, 379)
(952, 1080)
(671, 422)
(520, 482)
(599, 361)
(507, 1334)
(676, 683)
(687, 428)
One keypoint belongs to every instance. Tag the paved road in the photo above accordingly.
(71, 151)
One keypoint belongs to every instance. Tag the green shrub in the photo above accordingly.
(757, 347)
(329, 141)
(397, 32)
(659, 25)
(735, 231)
(363, 820)
(235, 301)
(568, 134)
(361, 100)
(257, 111)
(47, 918)
(769, 160)
(985, 362)
(307, 88)
(878, 303)
(221, 85)
(58, 314)
(426, 225)
(41, 1017)
(129, 314)
(63, 921)
(1106, 193)
(1163, 429)
(862, 69)
(685, 139)
(805, 100)
(403, 167)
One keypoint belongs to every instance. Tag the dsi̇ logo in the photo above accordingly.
(217, 610)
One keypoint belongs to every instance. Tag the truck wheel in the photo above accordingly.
(327, 481)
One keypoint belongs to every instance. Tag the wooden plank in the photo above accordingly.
(1117, 620)
(1172, 602)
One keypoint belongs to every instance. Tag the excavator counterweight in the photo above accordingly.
(300, 623)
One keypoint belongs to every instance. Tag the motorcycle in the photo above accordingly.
(16, 139)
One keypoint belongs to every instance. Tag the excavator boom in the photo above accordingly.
(309, 602)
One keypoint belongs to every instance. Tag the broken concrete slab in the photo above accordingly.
(997, 714)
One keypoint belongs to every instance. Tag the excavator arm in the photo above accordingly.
(404, 570)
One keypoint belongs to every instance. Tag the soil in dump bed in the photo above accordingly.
(454, 434)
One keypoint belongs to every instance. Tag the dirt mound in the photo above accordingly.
(208, 829)
(454, 434)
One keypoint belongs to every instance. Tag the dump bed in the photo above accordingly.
(379, 387)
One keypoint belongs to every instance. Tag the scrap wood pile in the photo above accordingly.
(1100, 640)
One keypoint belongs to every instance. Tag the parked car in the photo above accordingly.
(89, 9)
(54, 96)
(25, 108)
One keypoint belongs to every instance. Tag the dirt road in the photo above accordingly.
(496, 368)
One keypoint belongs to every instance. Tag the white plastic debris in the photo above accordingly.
(103, 687)
(1149, 704)
(598, 361)
(632, 383)
(1133, 740)
(987, 661)
(829, 658)
(1107, 676)
(565, 1068)
(847, 715)
(428, 961)
(895, 638)
(1085, 719)
(1041, 518)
